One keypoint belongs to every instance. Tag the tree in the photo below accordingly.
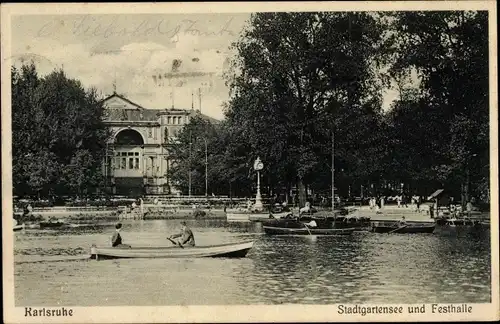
(197, 143)
(449, 52)
(24, 134)
(297, 77)
(58, 134)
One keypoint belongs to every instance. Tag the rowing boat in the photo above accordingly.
(52, 224)
(239, 217)
(273, 230)
(412, 228)
(230, 250)
(19, 227)
(265, 217)
(253, 216)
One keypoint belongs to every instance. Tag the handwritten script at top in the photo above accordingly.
(89, 26)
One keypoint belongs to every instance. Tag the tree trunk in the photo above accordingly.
(465, 195)
(302, 193)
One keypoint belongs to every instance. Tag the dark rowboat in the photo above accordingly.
(412, 228)
(273, 230)
(231, 250)
(456, 221)
(339, 222)
(19, 227)
(265, 217)
(52, 224)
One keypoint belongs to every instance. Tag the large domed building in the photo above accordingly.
(137, 160)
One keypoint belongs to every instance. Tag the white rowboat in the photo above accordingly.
(230, 250)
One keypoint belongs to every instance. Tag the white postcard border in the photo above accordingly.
(248, 313)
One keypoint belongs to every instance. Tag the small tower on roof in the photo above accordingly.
(114, 84)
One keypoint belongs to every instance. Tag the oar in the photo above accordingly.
(174, 242)
(397, 229)
(310, 236)
(307, 229)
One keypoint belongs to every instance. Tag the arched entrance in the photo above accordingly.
(128, 165)
(129, 137)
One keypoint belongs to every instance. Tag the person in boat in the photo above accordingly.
(249, 204)
(116, 239)
(305, 209)
(53, 219)
(186, 235)
(284, 207)
(402, 222)
(26, 212)
(311, 224)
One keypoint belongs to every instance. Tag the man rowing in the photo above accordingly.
(312, 223)
(402, 222)
(186, 235)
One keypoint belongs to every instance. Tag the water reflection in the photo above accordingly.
(364, 267)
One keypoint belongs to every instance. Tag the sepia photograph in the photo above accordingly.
(273, 158)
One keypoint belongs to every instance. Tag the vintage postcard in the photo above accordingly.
(250, 162)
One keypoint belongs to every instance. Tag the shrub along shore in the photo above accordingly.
(76, 215)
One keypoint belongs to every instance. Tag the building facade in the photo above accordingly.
(137, 160)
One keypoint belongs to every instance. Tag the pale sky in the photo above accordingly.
(140, 51)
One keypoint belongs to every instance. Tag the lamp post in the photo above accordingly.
(466, 191)
(333, 173)
(206, 169)
(189, 174)
(258, 165)
(106, 161)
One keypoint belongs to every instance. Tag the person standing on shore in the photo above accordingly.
(469, 208)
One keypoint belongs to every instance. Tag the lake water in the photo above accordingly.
(362, 268)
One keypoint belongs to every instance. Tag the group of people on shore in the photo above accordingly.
(401, 200)
(376, 203)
